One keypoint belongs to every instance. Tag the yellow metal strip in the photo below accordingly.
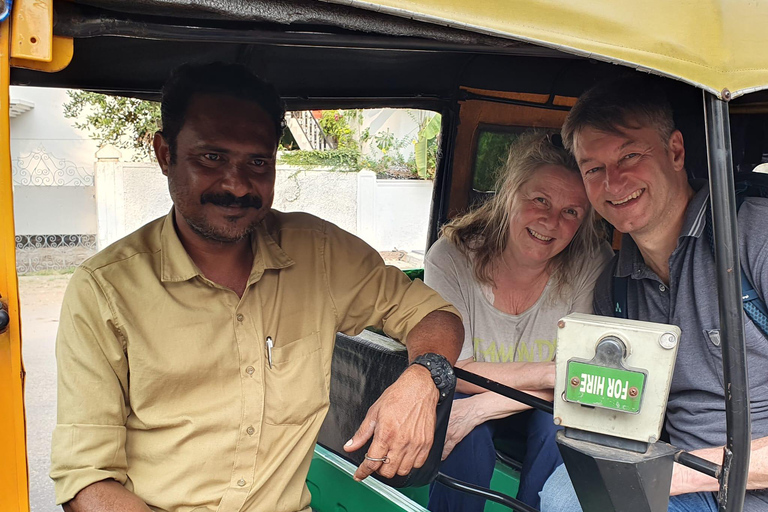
(32, 30)
(63, 49)
(14, 482)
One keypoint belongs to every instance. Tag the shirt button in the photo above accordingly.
(250, 430)
(250, 370)
(662, 288)
(241, 482)
(240, 317)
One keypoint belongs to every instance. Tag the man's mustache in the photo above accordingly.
(227, 199)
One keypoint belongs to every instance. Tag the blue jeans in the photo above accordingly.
(558, 496)
(474, 457)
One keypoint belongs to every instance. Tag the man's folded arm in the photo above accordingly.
(686, 480)
(107, 495)
(89, 439)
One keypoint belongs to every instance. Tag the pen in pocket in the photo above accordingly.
(270, 344)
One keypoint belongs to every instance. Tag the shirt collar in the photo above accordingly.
(695, 214)
(267, 252)
(176, 265)
(631, 261)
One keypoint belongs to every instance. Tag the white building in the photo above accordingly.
(53, 182)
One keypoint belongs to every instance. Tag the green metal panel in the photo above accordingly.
(333, 490)
(415, 273)
(505, 480)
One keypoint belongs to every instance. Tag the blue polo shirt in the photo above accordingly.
(696, 407)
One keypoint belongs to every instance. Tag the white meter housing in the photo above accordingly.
(613, 375)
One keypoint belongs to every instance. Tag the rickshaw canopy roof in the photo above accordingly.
(712, 44)
(409, 48)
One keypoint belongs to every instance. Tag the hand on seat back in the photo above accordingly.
(402, 423)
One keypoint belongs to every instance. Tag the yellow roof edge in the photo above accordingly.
(376, 7)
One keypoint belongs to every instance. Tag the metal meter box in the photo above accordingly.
(613, 375)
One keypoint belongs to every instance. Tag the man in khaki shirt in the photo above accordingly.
(194, 355)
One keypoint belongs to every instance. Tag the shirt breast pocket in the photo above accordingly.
(295, 385)
(757, 359)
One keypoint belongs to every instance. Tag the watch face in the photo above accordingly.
(440, 369)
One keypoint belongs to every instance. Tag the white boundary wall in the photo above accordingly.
(388, 214)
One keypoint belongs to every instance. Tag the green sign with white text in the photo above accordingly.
(609, 388)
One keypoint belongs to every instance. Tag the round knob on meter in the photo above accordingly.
(610, 350)
(5, 319)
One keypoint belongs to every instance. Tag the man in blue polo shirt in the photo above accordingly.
(632, 160)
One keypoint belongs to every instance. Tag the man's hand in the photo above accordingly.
(105, 495)
(402, 423)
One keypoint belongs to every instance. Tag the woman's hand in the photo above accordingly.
(468, 413)
(464, 418)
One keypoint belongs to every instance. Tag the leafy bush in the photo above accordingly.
(341, 159)
(117, 120)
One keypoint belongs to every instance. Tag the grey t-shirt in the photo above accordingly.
(493, 336)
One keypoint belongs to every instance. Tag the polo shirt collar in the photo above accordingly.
(695, 214)
(176, 265)
(631, 261)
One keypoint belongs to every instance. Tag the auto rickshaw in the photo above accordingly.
(480, 64)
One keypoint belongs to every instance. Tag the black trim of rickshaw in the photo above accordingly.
(722, 196)
(488, 494)
(78, 21)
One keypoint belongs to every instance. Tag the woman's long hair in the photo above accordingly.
(483, 234)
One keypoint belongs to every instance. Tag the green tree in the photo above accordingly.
(340, 125)
(426, 147)
(127, 123)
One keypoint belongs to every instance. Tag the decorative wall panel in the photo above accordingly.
(35, 253)
(39, 168)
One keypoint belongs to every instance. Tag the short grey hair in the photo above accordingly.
(630, 101)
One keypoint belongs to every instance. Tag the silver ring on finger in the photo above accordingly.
(384, 460)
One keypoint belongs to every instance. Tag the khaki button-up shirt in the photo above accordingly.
(165, 383)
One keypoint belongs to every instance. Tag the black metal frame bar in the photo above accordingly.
(722, 197)
(441, 193)
(698, 464)
(514, 394)
(497, 497)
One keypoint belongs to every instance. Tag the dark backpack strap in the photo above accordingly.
(754, 307)
(620, 285)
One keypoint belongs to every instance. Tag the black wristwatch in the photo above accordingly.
(441, 371)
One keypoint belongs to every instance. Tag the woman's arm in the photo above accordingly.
(524, 376)
(468, 413)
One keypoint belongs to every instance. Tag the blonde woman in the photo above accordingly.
(513, 267)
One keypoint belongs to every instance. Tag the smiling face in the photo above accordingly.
(545, 215)
(632, 178)
(223, 175)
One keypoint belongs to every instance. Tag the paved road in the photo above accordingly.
(40, 305)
